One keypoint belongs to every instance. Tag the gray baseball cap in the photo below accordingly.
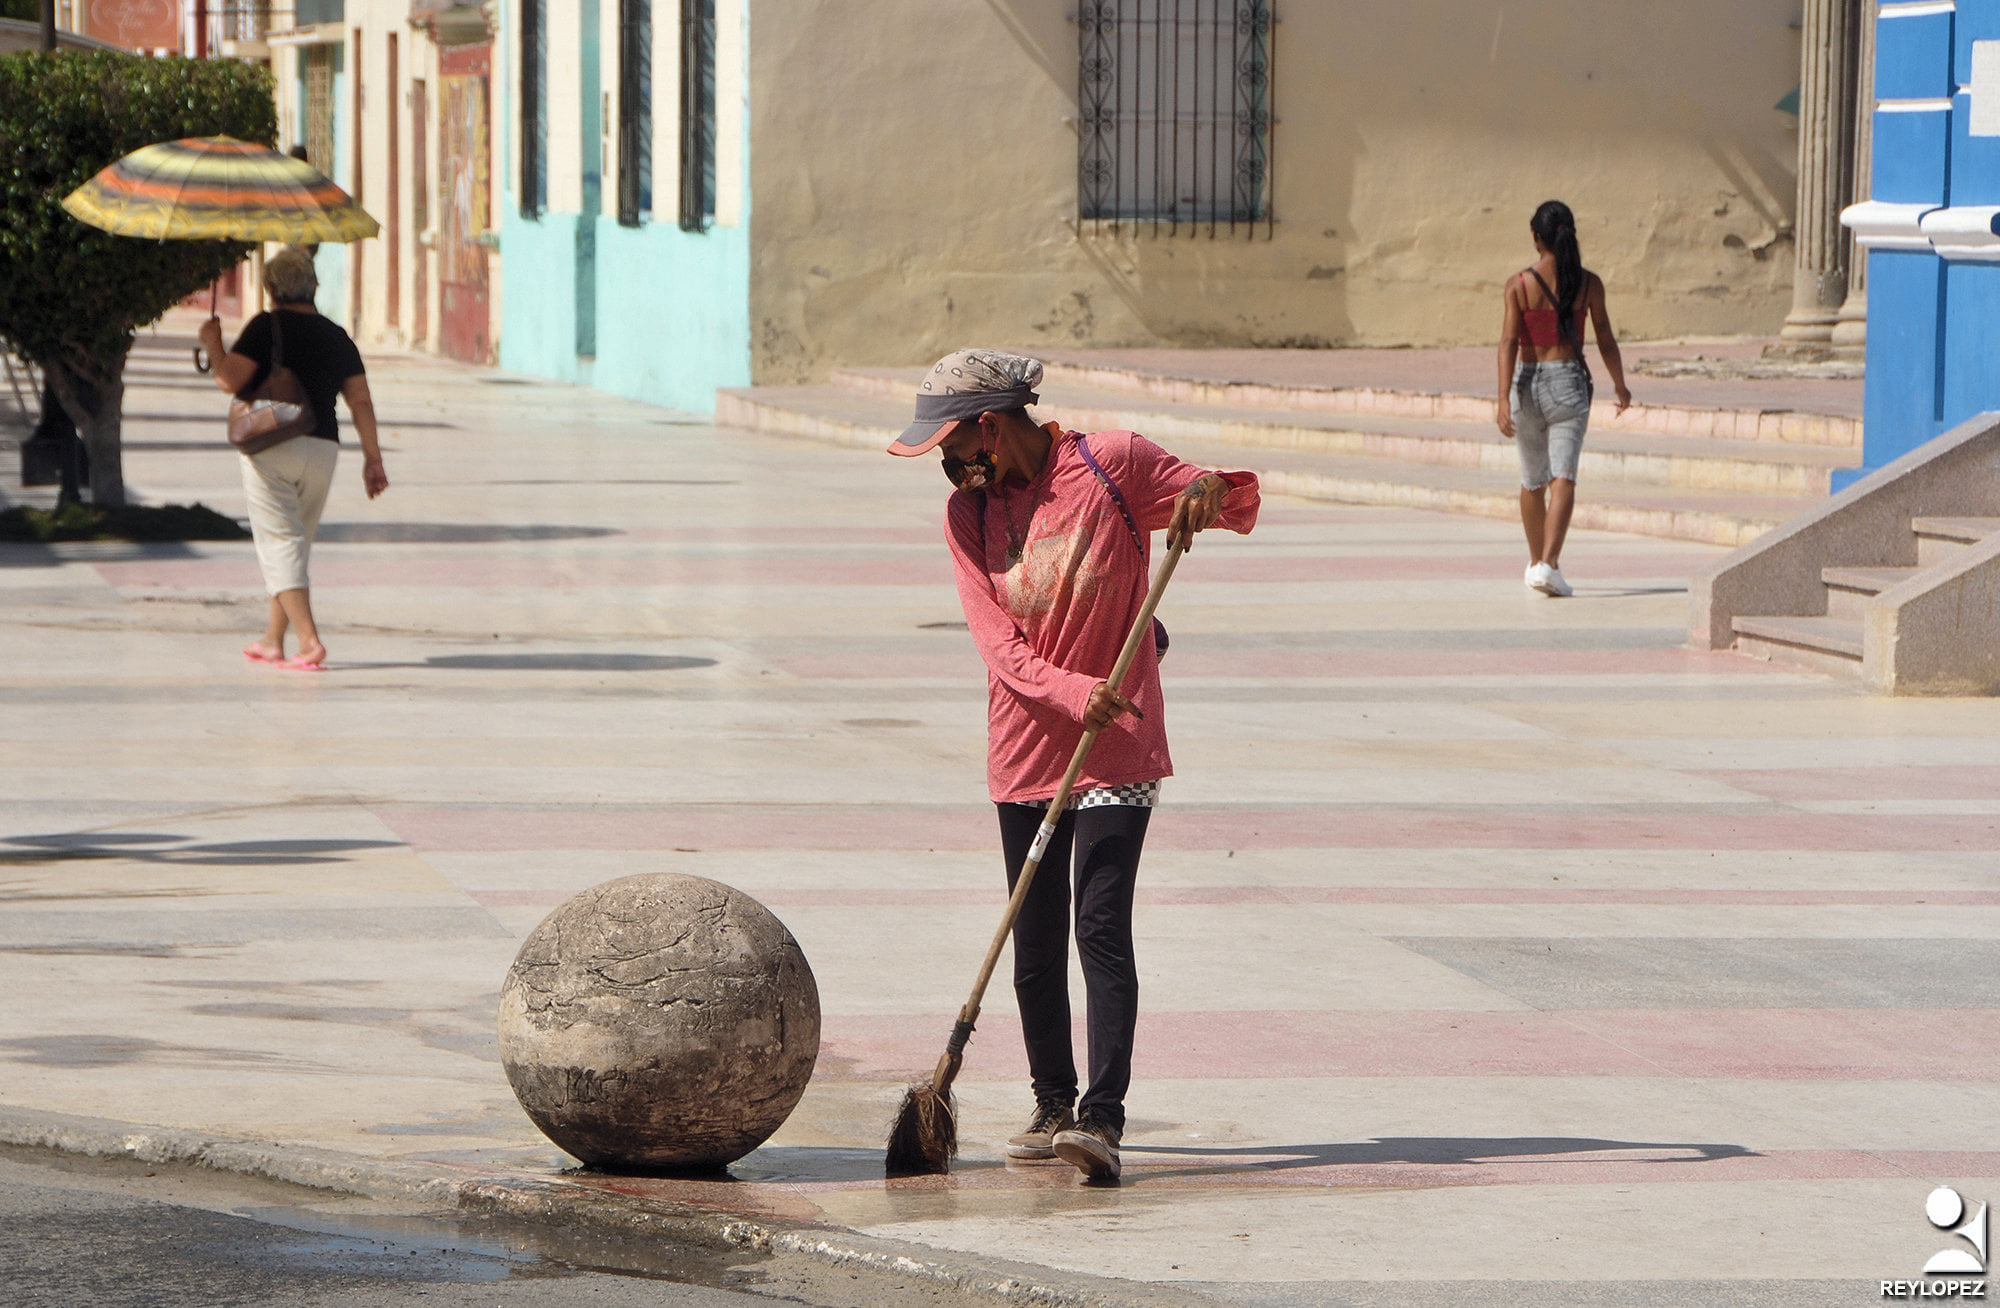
(964, 385)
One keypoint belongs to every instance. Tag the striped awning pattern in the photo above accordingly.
(219, 188)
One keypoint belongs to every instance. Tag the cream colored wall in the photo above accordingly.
(385, 108)
(564, 70)
(915, 185)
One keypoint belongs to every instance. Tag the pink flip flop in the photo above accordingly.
(256, 655)
(298, 665)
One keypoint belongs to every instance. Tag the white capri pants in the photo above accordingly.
(286, 486)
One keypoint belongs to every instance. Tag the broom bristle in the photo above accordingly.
(925, 1137)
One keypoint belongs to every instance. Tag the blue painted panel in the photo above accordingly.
(675, 311)
(1978, 20)
(537, 323)
(1911, 154)
(1900, 402)
(590, 154)
(1975, 160)
(1913, 57)
(1972, 341)
(331, 261)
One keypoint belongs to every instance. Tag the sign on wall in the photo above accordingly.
(134, 24)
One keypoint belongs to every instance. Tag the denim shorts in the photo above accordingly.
(1551, 410)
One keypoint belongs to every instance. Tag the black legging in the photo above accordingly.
(1110, 837)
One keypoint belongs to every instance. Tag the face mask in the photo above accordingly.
(975, 473)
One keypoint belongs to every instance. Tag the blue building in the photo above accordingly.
(1932, 228)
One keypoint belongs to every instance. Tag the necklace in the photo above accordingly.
(1017, 532)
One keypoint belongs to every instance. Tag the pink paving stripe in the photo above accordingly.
(1224, 565)
(452, 566)
(427, 567)
(831, 533)
(1865, 783)
(1840, 1044)
(1190, 659)
(1182, 828)
(1175, 896)
(780, 1181)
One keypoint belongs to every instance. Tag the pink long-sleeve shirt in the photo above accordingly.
(1050, 622)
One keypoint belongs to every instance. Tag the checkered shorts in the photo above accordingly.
(1136, 794)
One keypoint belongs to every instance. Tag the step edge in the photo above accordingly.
(1662, 419)
(1757, 627)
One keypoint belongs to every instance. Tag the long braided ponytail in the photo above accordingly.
(1555, 226)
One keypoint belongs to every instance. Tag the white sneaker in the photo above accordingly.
(1550, 582)
(1532, 578)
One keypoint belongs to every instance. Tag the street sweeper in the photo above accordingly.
(1050, 534)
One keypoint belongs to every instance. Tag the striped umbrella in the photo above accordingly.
(217, 188)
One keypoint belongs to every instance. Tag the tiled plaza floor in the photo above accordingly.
(1494, 949)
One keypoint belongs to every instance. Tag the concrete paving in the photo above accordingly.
(1494, 949)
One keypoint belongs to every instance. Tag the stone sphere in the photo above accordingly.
(659, 1022)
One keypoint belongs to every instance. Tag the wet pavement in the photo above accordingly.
(1493, 949)
(111, 1235)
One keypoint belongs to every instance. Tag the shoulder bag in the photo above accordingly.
(1131, 525)
(276, 411)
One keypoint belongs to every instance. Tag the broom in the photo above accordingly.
(925, 1137)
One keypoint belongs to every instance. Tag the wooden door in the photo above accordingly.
(393, 211)
(465, 203)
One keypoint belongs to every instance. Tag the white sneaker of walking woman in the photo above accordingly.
(1548, 580)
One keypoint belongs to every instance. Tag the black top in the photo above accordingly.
(319, 353)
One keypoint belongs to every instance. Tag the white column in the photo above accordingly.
(1851, 332)
(1826, 167)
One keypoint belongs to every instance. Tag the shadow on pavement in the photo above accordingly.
(449, 533)
(611, 481)
(541, 663)
(24, 554)
(1434, 1151)
(218, 415)
(146, 847)
(1628, 592)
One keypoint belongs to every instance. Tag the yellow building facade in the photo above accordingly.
(918, 171)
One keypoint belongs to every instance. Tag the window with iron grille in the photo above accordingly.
(697, 114)
(1174, 114)
(635, 111)
(533, 109)
(534, 188)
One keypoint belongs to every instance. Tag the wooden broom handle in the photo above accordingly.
(1142, 627)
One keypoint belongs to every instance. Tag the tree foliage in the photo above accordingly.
(71, 296)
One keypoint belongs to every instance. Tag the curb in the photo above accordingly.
(745, 409)
(555, 1202)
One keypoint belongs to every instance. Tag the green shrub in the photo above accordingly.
(71, 296)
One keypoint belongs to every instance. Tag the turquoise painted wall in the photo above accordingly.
(672, 307)
(538, 304)
(673, 312)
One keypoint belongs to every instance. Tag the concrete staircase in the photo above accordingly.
(1895, 581)
(1714, 475)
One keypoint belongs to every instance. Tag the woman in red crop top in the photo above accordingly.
(1545, 385)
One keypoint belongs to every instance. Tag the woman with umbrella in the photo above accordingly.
(220, 188)
(286, 485)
